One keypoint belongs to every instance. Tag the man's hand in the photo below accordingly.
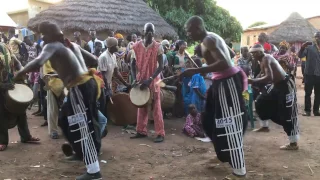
(188, 72)
(7, 86)
(145, 84)
(304, 45)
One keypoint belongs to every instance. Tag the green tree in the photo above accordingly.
(217, 19)
(259, 23)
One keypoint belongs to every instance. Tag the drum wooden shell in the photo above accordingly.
(140, 98)
(121, 112)
(168, 98)
(18, 100)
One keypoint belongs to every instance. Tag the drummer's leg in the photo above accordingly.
(142, 121)
(52, 112)
(23, 127)
(157, 114)
(4, 136)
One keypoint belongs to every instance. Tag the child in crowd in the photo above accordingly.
(193, 125)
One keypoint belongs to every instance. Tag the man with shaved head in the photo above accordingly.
(79, 114)
(149, 63)
(225, 118)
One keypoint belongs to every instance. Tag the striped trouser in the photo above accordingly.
(225, 121)
(81, 130)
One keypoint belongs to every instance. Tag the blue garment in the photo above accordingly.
(102, 121)
(197, 82)
(186, 93)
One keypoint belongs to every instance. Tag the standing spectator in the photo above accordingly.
(93, 36)
(312, 75)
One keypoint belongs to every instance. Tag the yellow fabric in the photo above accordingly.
(246, 95)
(2, 58)
(285, 44)
(118, 36)
(56, 86)
(47, 68)
(303, 59)
(85, 78)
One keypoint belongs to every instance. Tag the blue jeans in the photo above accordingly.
(102, 120)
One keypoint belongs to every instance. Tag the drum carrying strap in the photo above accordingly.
(8, 69)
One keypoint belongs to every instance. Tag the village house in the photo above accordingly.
(250, 35)
(22, 16)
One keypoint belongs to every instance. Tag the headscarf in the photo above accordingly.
(118, 36)
(284, 44)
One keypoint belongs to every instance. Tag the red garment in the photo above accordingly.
(266, 46)
(146, 61)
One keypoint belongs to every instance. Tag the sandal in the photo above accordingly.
(54, 135)
(289, 147)
(3, 147)
(32, 140)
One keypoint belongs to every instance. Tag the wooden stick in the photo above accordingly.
(188, 55)
(111, 100)
(310, 169)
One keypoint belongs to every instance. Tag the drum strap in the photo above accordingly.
(8, 69)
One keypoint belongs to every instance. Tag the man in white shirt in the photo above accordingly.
(94, 39)
(107, 65)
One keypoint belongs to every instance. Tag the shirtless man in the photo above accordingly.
(68, 59)
(224, 124)
(278, 102)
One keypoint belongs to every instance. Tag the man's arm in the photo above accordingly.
(89, 58)
(119, 76)
(17, 63)
(134, 68)
(46, 53)
(302, 53)
(160, 67)
(215, 47)
(268, 74)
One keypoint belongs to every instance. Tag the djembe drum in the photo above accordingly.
(17, 102)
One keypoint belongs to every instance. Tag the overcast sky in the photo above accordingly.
(270, 11)
(246, 11)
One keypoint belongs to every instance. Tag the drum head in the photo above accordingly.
(21, 93)
(139, 97)
(121, 112)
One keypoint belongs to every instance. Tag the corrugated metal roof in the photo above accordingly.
(5, 20)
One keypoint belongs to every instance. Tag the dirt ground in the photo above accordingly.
(178, 158)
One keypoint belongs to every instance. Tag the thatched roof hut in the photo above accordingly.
(295, 29)
(124, 16)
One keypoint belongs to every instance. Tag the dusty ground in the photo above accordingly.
(178, 158)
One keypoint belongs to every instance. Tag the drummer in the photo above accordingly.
(149, 63)
(107, 65)
(6, 84)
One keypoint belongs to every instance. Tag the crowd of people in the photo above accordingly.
(72, 82)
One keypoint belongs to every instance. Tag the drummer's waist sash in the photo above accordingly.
(56, 86)
(85, 78)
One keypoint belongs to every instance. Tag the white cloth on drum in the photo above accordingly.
(52, 112)
(90, 155)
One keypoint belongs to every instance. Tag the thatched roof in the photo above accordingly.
(103, 15)
(294, 29)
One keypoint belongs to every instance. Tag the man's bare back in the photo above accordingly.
(215, 49)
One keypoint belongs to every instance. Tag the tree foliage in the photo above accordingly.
(217, 19)
(259, 23)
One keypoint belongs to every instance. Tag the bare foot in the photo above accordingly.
(32, 140)
(3, 147)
